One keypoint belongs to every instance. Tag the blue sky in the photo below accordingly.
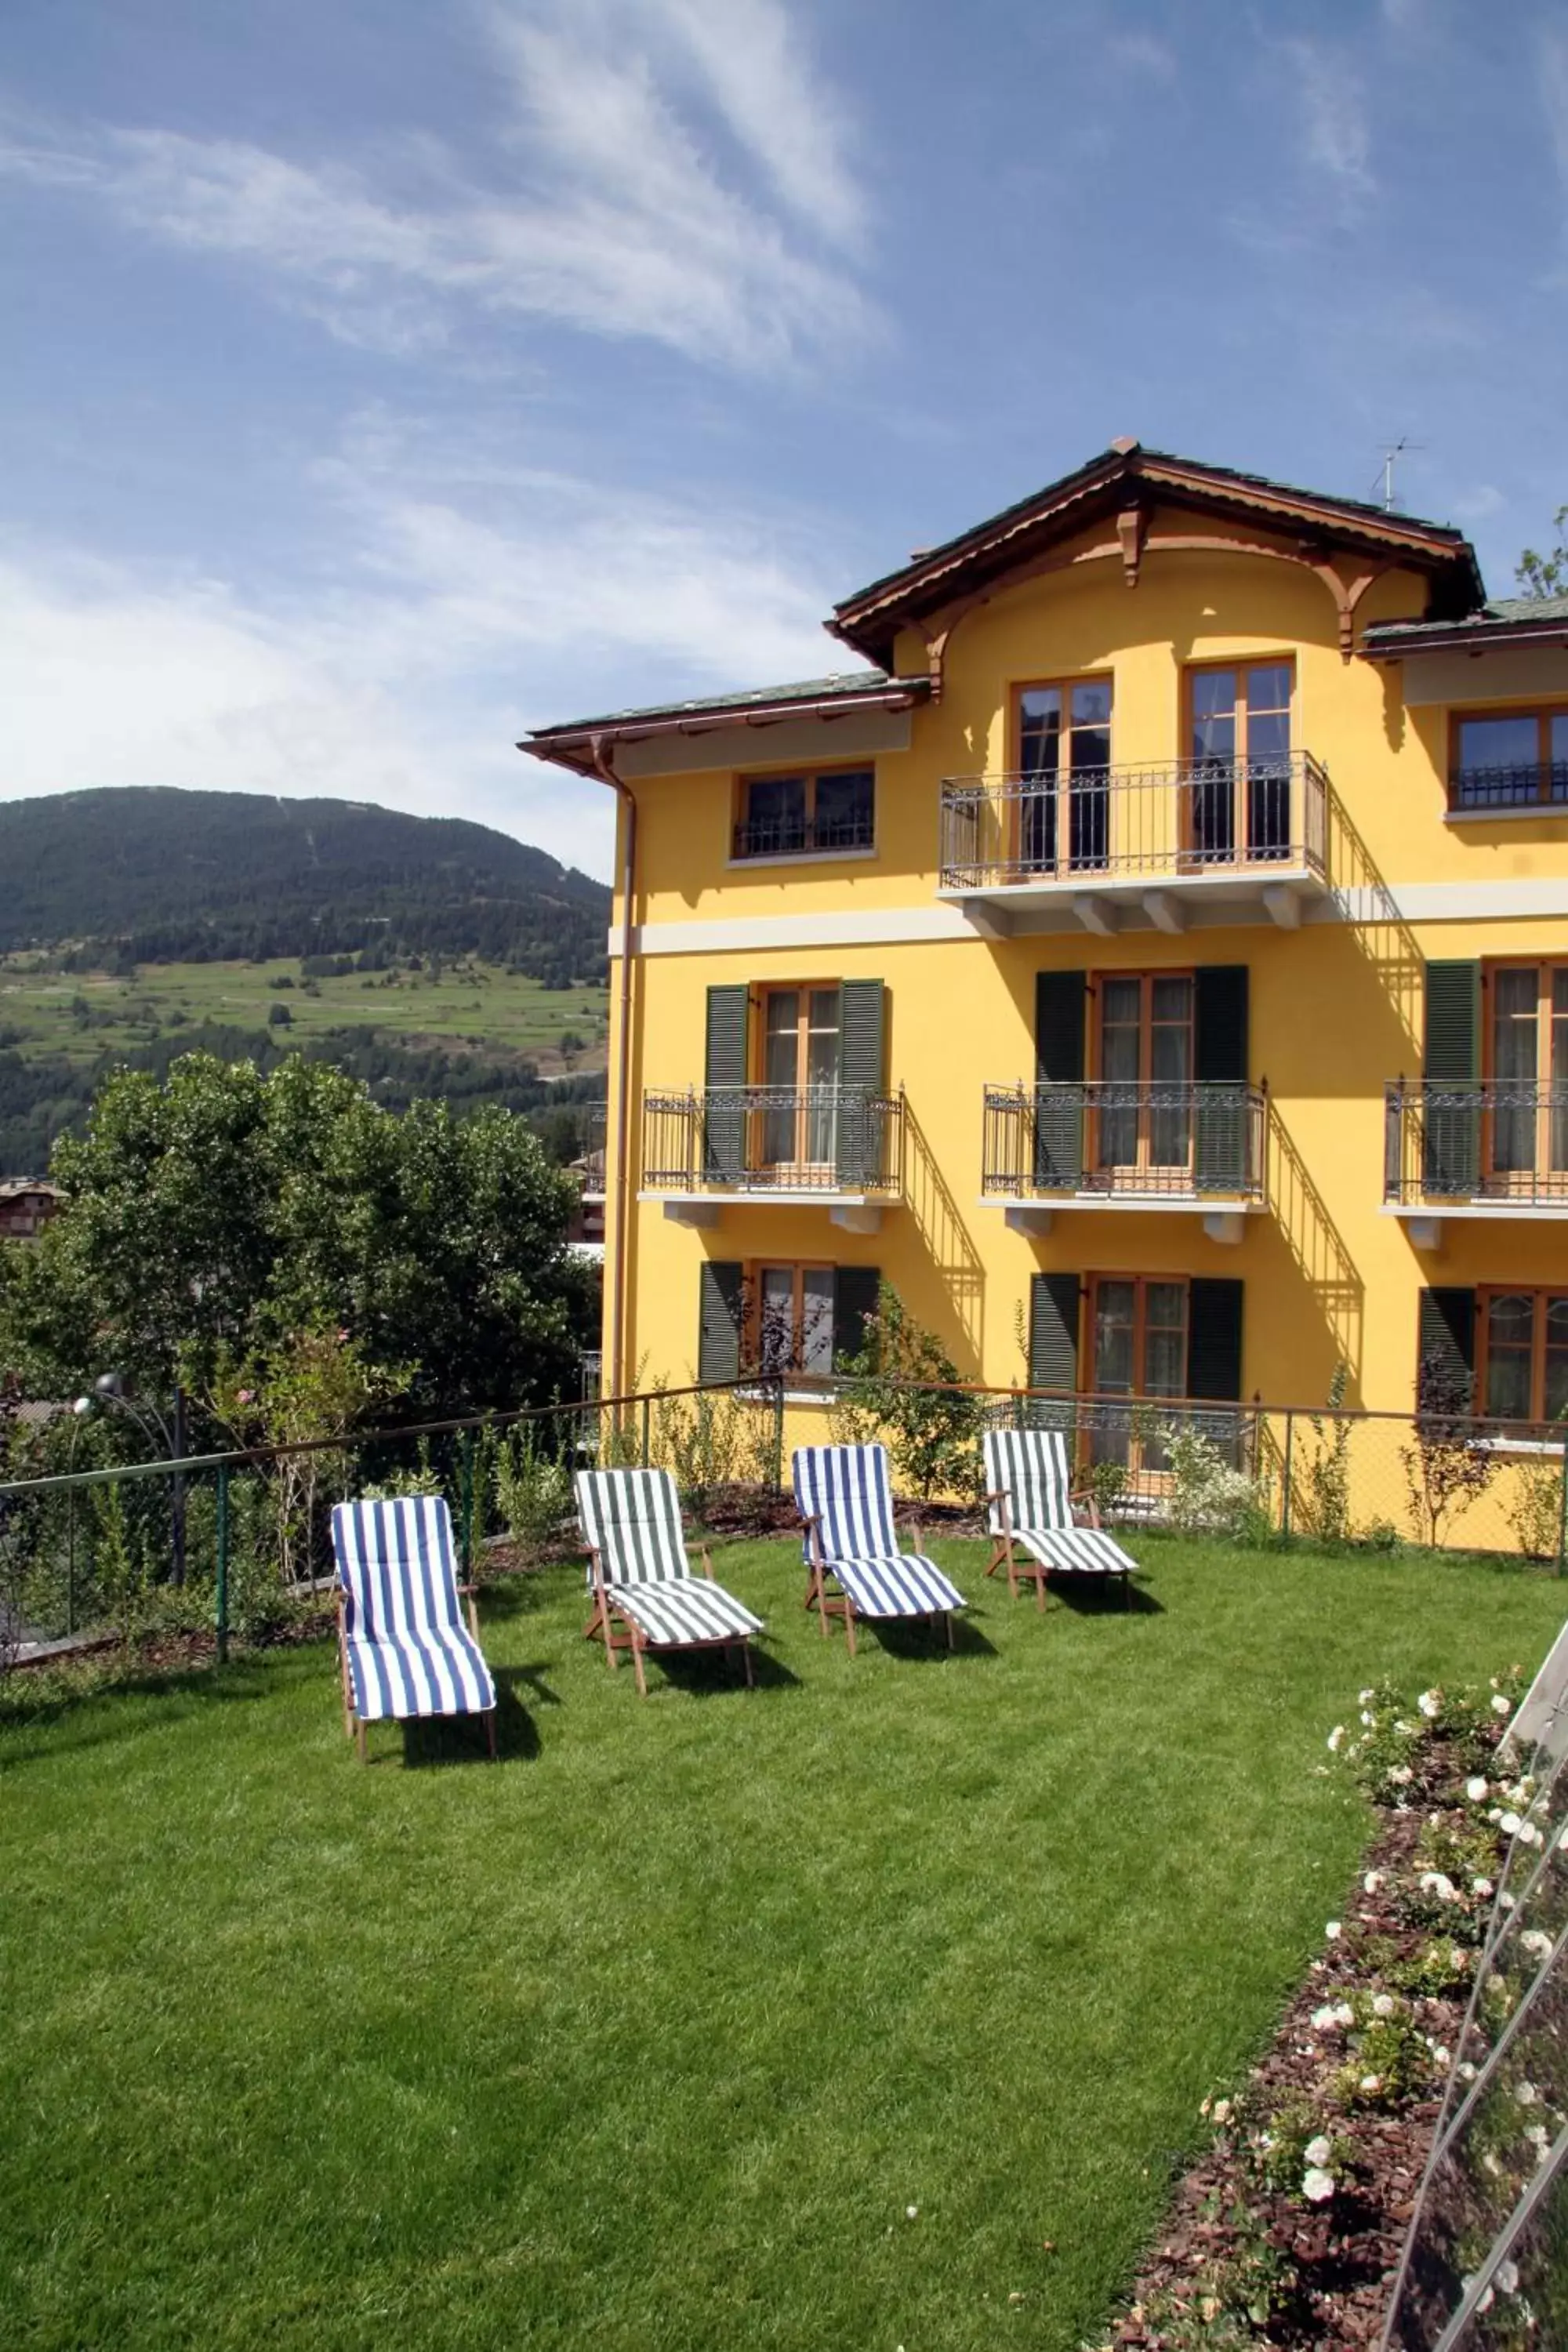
(382, 378)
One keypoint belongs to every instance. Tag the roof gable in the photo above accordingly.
(1123, 485)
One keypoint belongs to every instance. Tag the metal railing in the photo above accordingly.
(792, 837)
(772, 1139)
(1521, 784)
(590, 1162)
(1500, 1143)
(1163, 1141)
(1174, 821)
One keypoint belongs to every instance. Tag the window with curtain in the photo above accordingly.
(800, 1033)
(1528, 1069)
(1064, 759)
(793, 1319)
(1145, 1065)
(1138, 1350)
(1524, 1354)
(1239, 793)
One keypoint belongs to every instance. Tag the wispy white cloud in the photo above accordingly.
(1143, 52)
(1335, 126)
(384, 681)
(598, 201)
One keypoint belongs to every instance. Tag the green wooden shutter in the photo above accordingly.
(723, 1076)
(858, 1140)
(1059, 1039)
(720, 1311)
(1446, 1348)
(1451, 1157)
(854, 1293)
(1219, 1065)
(1054, 1304)
(1213, 1340)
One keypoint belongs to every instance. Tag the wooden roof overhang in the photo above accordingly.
(581, 744)
(1346, 543)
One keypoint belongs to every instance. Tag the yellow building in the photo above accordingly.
(1156, 968)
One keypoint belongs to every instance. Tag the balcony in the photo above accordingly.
(1162, 846)
(836, 1147)
(1195, 1148)
(1460, 1152)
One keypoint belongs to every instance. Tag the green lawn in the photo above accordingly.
(471, 1002)
(649, 2037)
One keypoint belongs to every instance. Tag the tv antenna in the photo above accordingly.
(1391, 457)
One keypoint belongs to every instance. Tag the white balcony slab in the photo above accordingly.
(1160, 901)
(856, 1212)
(1431, 1215)
(1223, 1219)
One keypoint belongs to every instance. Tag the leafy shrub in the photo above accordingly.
(533, 1490)
(1208, 1496)
(1533, 1505)
(903, 1387)
(1321, 1487)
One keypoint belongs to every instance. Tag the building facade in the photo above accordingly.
(1155, 968)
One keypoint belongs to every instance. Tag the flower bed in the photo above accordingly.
(1288, 2229)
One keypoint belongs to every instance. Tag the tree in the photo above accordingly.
(211, 1215)
(1546, 575)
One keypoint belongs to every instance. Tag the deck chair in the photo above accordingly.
(1031, 1505)
(640, 1575)
(402, 1647)
(843, 1494)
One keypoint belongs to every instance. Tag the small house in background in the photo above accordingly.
(26, 1204)
(588, 1171)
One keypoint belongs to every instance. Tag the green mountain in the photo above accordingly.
(152, 875)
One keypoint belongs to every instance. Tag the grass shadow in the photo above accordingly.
(1105, 1596)
(711, 1674)
(909, 1639)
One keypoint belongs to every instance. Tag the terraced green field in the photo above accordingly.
(82, 1015)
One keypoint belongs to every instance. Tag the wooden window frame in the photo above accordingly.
(801, 1163)
(1017, 688)
(1125, 1174)
(1541, 1297)
(1521, 1180)
(1138, 1395)
(798, 1270)
(1544, 713)
(1241, 855)
(810, 777)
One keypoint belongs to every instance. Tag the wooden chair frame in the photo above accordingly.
(352, 1723)
(839, 1604)
(1080, 1501)
(607, 1608)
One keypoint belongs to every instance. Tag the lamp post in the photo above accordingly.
(112, 1389)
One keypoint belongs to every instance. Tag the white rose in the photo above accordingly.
(1332, 1931)
(1501, 1706)
(1371, 1881)
(1475, 1789)
(1430, 1704)
(1383, 2004)
(1317, 2151)
(1317, 2185)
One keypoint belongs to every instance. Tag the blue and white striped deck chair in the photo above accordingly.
(403, 1645)
(638, 1572)
(1031, 1504)
(843, 1494)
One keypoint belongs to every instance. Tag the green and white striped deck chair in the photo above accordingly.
(1032, 1507)
(640, 1575)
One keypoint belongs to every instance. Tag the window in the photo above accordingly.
(1513, 760)
(791, 816)
(1064, 760)
(1524, 1354)
(1238, 792)
(1138, 1349)
(793, 1308)
(1527, 1048)
(1143, 1103)
(800, 1046)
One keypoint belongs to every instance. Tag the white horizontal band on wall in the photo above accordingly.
(1412, 902)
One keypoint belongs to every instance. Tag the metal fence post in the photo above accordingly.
(644, 1415)
(466, 1456)
(778, 1436)
(222, 1605)
(1562, 1511)
(1285, 1474)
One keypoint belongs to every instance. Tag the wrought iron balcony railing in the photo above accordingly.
(1521, 784)
(1505, 1143)
(772, 1139)
(1170, 824)
(1161, 1141)
(793, 836)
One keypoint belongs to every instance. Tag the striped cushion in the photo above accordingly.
(906, 1584)
(846, 1489)
(688, 1609)
(632, 1519)
(409, 1652)
(1030, 1468)
(1089, 1549)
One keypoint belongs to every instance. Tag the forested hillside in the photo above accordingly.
(142, 875)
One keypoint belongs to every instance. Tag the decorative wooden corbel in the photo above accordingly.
(1133, 530)
(1347, 591)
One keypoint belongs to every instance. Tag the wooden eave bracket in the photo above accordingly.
(1132, 531)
